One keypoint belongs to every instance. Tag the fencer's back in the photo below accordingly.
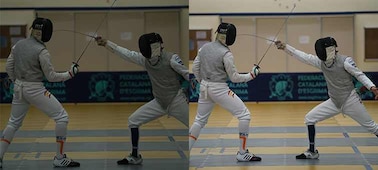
(339, 81)
(26, 60)
(211, 62)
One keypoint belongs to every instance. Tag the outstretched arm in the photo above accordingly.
(126, 54)
(350, 67)
(300, 55)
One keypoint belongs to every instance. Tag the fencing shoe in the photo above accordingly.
(65, 162)
(247, 157)
(131, 160)
(308, 155)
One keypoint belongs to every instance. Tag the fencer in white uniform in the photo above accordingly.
(27, 65)
(167, 73)
(338, 71)
(212, 67)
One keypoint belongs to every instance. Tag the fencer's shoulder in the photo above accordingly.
(168, 55)
(176, 58)
(207, 44)
(44, 52)
(21, 41)
(344, 57)
(348, 60)
(13, 47)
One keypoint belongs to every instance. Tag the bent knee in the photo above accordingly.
(199, 123)
(371, 126)
(14, 125)
(133, 122)
(308, 120)
(61, 117)
(244, 114)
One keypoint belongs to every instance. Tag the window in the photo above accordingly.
(371, 44)
(9, 35)
(197, 38)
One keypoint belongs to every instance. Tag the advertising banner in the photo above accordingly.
(136, 87)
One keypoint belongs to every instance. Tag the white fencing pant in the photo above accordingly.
(211, 93)
(34, 93)
(179, 109)
(353, 107)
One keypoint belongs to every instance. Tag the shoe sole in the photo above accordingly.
(303, 156)
(139, 163)
(69, 166)
(306, 158)
(129, 163)
(249, 160)
(65, 166)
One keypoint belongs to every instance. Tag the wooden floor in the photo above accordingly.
(278, 133)
(98, 136)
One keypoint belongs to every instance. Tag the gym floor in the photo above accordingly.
(98, 136)
(278, 133)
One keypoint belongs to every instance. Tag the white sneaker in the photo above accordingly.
(247, 157)
(131, 160)
(308, 155)
(65, 162)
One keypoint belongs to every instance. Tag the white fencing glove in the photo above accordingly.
(74, 69)
(255, 71)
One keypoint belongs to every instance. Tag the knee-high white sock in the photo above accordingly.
(193, 134)
(61, 133)
(243, 135)
(6, 139)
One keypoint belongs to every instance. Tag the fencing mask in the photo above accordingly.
(326, 48)
(42, 29)
(226, 33)
(150, 45)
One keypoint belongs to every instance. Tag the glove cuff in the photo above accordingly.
(252, 75)
(71, 74)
